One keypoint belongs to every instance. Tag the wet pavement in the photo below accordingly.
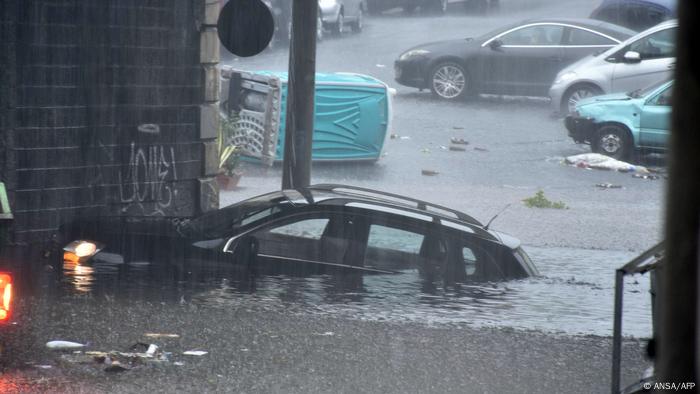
(379, 333)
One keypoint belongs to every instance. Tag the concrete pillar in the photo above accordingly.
(209, 109)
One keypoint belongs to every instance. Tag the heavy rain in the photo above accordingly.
(460, 238)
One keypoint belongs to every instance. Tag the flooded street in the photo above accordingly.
(393, 333)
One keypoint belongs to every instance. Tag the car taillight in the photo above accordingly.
(5, 296)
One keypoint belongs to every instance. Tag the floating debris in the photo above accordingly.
(194, 353)
(404, 137)
(160, 335)
(443, 147)
(64, 345)
(380, 65)
(476, 148)
(325, 334)
(425, 150)
(602, 162)
(608, 186)
(393, 136)
(429, 172)
(459, 141)
(458, 148)
(115, 367)
(646, 176)
(458, 127)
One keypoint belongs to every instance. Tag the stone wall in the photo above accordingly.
(106, 108)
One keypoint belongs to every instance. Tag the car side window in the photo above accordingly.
(469, 260)
(580, 37)
(301, 239)
(664, 98)
(394, 239)
(534, 35)
(309, 228)
(656, 45)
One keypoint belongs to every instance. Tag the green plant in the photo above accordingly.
(229, 154)
(540, 201)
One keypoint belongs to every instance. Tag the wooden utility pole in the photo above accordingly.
(299, 126)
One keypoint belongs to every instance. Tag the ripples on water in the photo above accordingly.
(574, 295)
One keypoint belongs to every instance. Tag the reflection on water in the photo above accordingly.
(574, 294)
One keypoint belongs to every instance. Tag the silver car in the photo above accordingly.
(336, 14)
(648, 57)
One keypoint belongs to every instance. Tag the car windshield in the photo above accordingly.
(642, 92)
(345, 196)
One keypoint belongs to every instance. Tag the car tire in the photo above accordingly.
(358, 24)
(449, 81)
(338, 25)
(612, 140)
(575, 94)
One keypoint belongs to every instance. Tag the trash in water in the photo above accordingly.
(443, 147)
(602, 162)
(178, 363)
(393, 136)
(646, 176)
(194, 353)
(116, 366)
(425, 150)
(429, 172)
(64, 345)
(477, 148)
(160, 335)
(380, 65)
(458, 127)
(458, 148)
(608, 186)
(459, 141)
(326, 334)
(404, 137)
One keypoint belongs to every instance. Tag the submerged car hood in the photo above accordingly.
(605, 98)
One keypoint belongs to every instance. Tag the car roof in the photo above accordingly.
(364, 198)
(670, 5)
(619, 33)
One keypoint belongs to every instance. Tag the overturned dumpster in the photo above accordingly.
(352, 115)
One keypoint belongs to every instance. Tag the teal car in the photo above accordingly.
(618, 125)
(352, 115)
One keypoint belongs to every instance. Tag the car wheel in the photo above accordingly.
(449, 81)
(338, 26)
(357, 25)
(575, 94)
(612, 140)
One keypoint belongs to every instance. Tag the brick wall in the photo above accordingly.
(105, 109)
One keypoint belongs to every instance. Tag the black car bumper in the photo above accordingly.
(580, 129)
(410, 73)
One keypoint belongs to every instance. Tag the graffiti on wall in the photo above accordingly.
(149, 178)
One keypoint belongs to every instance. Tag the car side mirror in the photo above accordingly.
(495, 44)
(632, 57)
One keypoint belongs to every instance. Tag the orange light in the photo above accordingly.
(6, 294)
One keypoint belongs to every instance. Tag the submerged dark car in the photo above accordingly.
(519, 59)
(316, 230)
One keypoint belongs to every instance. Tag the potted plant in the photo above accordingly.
(229, 157)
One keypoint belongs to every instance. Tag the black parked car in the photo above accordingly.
(519, 59)
(636, 14)
(317, 230)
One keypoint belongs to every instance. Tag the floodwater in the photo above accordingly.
(573, 295)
